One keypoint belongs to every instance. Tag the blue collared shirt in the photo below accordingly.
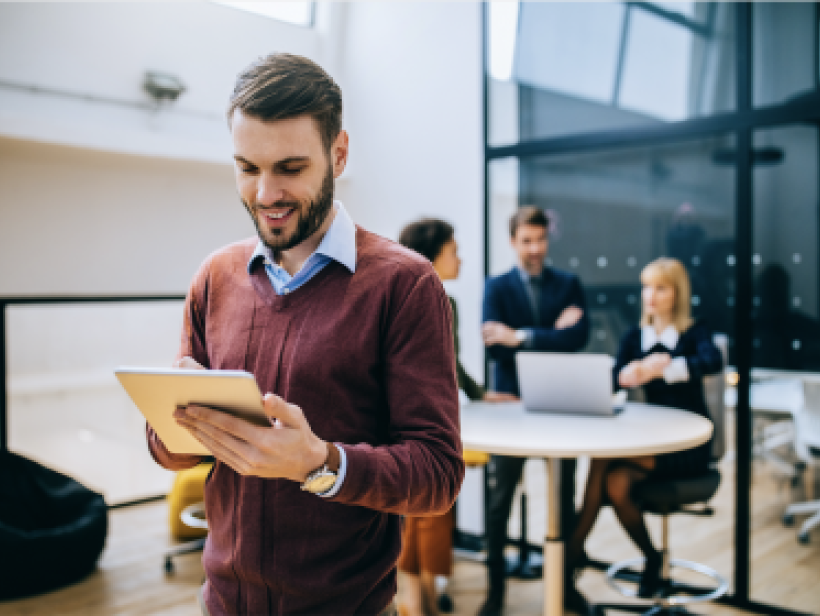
(338, 244)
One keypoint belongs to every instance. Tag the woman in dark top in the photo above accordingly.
(668, 356)
(427, 543)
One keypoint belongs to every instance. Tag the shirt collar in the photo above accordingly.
(668, 338)
(339, 243)
(526, 277)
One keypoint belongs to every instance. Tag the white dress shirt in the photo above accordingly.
(677, 371)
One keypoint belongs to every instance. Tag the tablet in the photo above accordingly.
(157, 392)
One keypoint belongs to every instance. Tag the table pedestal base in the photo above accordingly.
(553, 584)
(553, 544)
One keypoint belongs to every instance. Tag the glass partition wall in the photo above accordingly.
(682, 129)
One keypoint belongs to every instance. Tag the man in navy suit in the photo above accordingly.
(530, 308)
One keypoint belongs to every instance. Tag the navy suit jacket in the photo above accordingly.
(506, 301)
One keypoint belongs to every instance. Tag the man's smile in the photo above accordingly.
(278, 218)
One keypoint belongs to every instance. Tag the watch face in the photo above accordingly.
(321, 484)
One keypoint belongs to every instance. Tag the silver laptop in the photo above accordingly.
(571, 383)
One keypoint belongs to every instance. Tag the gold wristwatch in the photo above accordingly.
(324, 478)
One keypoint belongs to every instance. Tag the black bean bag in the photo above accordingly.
(52, 529)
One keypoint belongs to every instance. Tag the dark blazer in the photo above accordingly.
(702, 358)
(506, 301)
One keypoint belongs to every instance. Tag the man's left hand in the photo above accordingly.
(288, 449)
(498, 333)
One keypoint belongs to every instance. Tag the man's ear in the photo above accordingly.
(338, 153)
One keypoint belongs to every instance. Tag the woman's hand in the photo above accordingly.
(632, 375)
(655, 364)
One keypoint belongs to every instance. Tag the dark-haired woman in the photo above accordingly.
(427, 543)
(668, 356)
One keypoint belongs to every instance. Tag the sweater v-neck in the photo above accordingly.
(264, 288)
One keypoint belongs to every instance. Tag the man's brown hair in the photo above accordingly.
(528, 215)
(282, 86)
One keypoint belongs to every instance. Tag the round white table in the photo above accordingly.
(641, 429)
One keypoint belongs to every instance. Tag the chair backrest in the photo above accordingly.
(714, 388)
(807, 421)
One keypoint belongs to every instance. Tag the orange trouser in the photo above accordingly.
(427, 544)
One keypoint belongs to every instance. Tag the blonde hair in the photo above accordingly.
(672, 272)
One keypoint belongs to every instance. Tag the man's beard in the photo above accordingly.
(310, 218)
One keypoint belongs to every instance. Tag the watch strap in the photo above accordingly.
(333, 460)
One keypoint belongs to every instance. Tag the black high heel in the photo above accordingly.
(650, 578)
(576, 566)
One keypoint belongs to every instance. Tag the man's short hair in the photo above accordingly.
(282, 86)
(427, 237)
(528, 215)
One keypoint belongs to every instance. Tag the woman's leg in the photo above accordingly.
(429, 594)
(411, 602)
(619, 482)
(593, 501)
(411, 596)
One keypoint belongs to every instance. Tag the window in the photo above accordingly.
(560, 68)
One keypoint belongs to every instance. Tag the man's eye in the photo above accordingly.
(292, 170)
(247, 169)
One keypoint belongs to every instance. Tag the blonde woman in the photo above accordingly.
(667, 355)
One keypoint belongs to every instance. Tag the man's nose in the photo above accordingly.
(269, 191)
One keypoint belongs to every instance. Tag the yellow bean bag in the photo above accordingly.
(188, 488)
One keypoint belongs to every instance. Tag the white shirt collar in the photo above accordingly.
(668, 338)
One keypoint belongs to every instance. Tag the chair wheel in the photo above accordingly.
(169, 565)
(788, 520)
(803, 538)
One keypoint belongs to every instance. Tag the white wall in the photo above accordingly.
(117, 198)
(411, 77)
(102, 50)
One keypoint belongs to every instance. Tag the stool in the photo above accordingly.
(186, 512)
(467, 541)
(664, 497)
(188, 488)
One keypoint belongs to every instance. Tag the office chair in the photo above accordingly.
(807, 447)
(665, 497)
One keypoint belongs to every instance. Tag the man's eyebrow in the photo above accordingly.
(292, 159)
(285, 161)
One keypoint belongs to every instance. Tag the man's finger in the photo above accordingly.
(289, 415)
(219, 451)
(239, 448)
(239, 428)
(189, 363)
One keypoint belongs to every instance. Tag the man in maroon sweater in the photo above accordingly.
(350, 335)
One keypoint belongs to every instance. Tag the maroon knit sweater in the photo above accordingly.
(369, 359)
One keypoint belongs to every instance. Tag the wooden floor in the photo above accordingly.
(131, 581)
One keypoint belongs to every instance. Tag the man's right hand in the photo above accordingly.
(569, 317)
